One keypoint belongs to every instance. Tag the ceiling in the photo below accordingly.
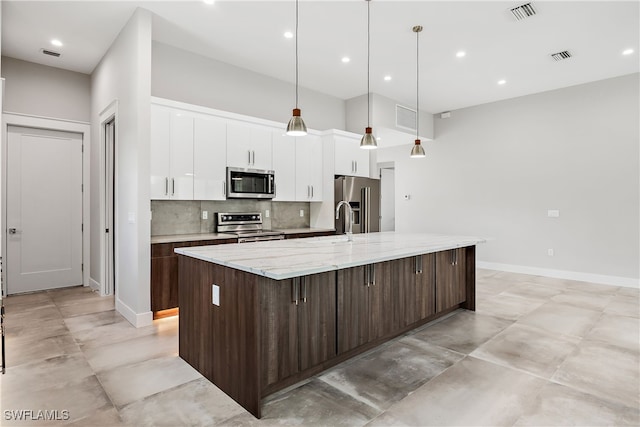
(249, 34)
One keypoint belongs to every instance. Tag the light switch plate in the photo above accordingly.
(266, 213)
(205, 215)
(215, 295)
(301, 212)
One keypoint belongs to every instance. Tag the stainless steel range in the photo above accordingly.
(247, 226)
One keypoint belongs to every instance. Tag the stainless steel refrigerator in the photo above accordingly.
(363, 195)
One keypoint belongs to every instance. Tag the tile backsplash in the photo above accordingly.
(170, 217)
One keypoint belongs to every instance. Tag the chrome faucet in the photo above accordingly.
(350, 232)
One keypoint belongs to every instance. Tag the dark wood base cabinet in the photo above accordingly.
(164, 272)
(264, 335)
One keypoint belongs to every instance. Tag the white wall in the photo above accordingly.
(184, 76)
(44, 91)
(124, 75)
(495, 169)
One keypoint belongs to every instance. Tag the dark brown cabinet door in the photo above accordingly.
(383, 295)
(353, 308)
(317, 319)
(425, 286)
(279, 328)
(450, 278)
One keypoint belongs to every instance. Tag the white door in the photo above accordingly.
(44, 209)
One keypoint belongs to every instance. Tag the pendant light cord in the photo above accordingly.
(296, 53)
(417, 85)
(368, 61)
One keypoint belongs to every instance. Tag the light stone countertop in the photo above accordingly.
(284, 259)
(177, 238)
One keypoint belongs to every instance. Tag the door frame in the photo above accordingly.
(31, 121)
(108, 114)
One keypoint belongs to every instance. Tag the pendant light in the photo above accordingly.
(368, 141)
(296, 126)
(417, 151)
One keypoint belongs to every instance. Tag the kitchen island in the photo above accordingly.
(259, 317)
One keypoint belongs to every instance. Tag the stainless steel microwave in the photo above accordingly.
(250, 183)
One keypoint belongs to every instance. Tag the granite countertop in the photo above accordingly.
(177, 238)
(283, 259)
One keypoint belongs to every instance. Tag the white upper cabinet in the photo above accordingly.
(209, 158)
(284, 160)
(350, 159)
(171, 157)
(248, 146)
(160, 151)
(308, 167)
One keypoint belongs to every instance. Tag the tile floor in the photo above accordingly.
(537, 352)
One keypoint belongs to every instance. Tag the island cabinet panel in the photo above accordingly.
(353, 308)
(450, 278)
(383, 297)
(221, 341)
(298, 325)
(414, 285)
(425, 286)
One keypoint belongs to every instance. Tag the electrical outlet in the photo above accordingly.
(215, 295)
(550, 252)
(205, 215)
(301, 212)
(266, 213)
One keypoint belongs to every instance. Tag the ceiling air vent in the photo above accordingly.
(523, 11)
(50, 53)
(559, 56)
(405, 117)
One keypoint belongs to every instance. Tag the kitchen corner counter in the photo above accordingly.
(177, 238)
(284, 259)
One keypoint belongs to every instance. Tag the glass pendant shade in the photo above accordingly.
(368, 141)
(417, 151)
(296, 126)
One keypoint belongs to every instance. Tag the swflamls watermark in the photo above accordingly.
(36, 415)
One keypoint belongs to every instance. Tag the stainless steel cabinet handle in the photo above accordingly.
(356, 162)
(419, 264)
(13, 231)
(454, 257)
(253, 158)
(373, 274)
(303, 286)
(166, 186)
(294, 289)
(312, 191)
(173, 186)
(249, 157)
(367, 273)
(224, 188)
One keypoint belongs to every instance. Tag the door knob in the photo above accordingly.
(13, 231)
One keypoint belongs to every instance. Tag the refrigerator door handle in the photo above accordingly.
(365, 197)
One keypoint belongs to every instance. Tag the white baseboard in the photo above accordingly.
(136, 319)
(94, 285)
(627, 282)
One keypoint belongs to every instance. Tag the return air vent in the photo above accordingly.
(523, 11)
(405, 117)
(559, 56)
(50, 53)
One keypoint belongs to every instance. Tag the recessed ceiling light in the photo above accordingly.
(288, 34)
(501, 82)
(346, 59)
(387, 78)
(461, 54)
(627, 51)
(208, 1)
(56, 42)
